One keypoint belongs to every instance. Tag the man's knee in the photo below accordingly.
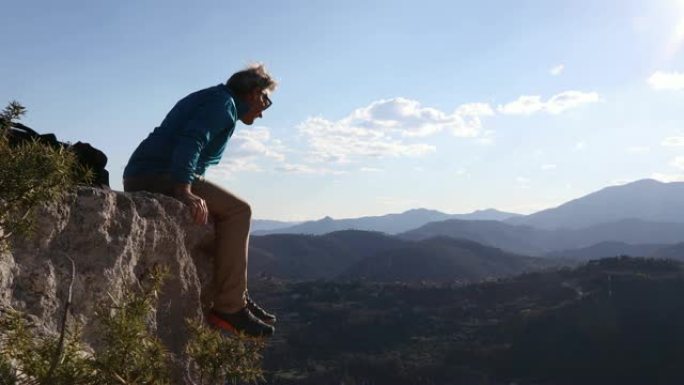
(238, 210)
(246, 209)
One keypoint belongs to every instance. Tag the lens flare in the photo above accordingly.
(677, 37)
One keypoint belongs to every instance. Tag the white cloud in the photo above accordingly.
(386, 127)
(677, 36)
(401, 203)
(548, 166)
(247, 148)
(673, 141)
(247, 143)
(667, 178)
(408, 118)
(673, 81)
(337, 142)
(557, 70)
(580, 146)
(306, 169)
(475, 109)
(229, 166)
(638, 149)
(530, 104)
(524, 105)
(678, 162)
(371, 169)
(487, 138)
(620, 182)
(523, 182)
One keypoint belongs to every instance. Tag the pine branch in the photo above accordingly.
(60, 344)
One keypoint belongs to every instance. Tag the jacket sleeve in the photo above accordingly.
(208, 119)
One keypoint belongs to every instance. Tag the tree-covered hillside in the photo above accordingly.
(613, 321)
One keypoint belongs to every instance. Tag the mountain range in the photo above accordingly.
(443, 259)
(529, 240)
(375, 256)
(611, 249)
(444, 247)
(390, 223)
(646, 200)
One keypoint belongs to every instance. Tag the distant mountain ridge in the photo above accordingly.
(298, 256)
(609, 249)
(443, 259)
(354, 254)
(527, 240)
(390, 223)
(675, 252)
(267, 224)
(646, 199)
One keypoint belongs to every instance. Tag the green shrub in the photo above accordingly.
(216, 359)
(7, 373)
(131, 353)
(31, 174)
(33, 354)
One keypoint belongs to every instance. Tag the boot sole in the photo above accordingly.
(225, 327)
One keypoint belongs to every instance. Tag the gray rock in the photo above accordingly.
(113, 238)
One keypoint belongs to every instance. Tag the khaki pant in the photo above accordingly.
(231, 217)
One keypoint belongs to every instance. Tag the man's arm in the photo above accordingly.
(200, 211)
(195, 135)
(207, 120)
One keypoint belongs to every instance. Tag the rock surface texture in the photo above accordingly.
(113, 238)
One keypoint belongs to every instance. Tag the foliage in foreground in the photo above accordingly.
(130, 354)
(31, 173)
(213, 361)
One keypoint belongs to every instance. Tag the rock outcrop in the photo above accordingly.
(113, 238)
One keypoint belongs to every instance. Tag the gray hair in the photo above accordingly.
(253, 77)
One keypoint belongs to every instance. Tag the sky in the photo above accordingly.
(382, 106)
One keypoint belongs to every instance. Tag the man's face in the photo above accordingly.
(257, 101)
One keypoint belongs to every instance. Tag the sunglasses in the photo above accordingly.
(267, 101)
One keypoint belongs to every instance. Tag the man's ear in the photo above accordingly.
(254, 94)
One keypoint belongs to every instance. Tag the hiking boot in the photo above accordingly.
(259, 312)
(242, 321)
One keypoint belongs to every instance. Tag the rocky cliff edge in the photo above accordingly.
(113, 238)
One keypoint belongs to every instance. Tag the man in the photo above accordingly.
(172, 161)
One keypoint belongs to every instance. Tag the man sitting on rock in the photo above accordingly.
(172, 161)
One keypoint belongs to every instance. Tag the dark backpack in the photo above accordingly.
(86, 154)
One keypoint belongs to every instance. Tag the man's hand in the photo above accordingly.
(200, 212)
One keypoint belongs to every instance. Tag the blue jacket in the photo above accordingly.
(192, 136)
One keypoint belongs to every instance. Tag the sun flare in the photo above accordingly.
(677, 36)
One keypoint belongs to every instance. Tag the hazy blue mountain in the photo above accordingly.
(267, 224)
(442, 259)
(353, 254)
(528, 240)
(298, 256)
(647, 199)
(608, 249)
(524, 240)
(485, 215)
(675, 251)
(390, 223)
